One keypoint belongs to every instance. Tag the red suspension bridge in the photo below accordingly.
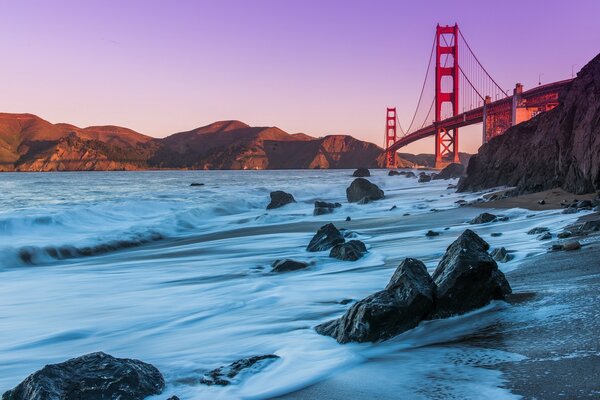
(464, 93)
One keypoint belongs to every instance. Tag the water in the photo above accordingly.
(141, 265)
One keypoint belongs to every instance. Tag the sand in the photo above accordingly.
(553, 199)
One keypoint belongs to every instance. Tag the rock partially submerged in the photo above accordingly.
(326, 237)
(92, 376)
(407, 299)
(323, 207)
(280, 198)
(361, 189)
(538, 230)
(424, 178)
(288, 265)
(196, 184)
(483, 219)
(501, 255)
(226, 375)
(394, 173)
(361, 173)
(452, 171)
(349, 251)
(467, 277)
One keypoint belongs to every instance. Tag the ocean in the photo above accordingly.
(143, 265)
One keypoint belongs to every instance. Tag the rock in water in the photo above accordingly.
(322, 207)
(538, 230)
(287, 265)
(451, 171)
(279, 199)
(92, 376)
(410, 174)
(196, 184)
(483, 219)
(406, 300)
(467, 277)
(361, 173)
(393, 173)
(349, 251)
(226, 375)
(431, 233)
(570, 246)
(424, 178)
(361, 189)
(326, 237)
(501, 255)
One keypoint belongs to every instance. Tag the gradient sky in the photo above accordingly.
(318, 67)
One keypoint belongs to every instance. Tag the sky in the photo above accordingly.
(314, 66)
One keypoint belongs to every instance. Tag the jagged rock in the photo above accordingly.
(393, 173)
(585, 204)
(406, 300)
(226, 375)
(323, 207)
(501, 255)
(361, 173)
(556, 247)
(287, 265)
(451, 171)
(538, 230)
(483, 219)
(431, 233)
(410, 174)
(570, 246)
(545, 236)
(361, 189)
(424, 178)
(196, 184)
(349, 251)
(280, 199)
(467, 277)
(92, 376)
(326, 237)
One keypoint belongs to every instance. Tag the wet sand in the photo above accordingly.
(553, 200)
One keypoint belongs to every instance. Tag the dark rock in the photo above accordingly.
(226, 375)
(570, 210)
(92, 376)
(326, 237)
(584, 204)
(431, 233)
(323, 207)
(542, 202)
(361, 173)
(501, 255)
(407, 299)
(461, 202)
(591, 226)
(196, 184)
(393, 208)
(556, 247)
(346, 301)
(502, 219)
(496, 234)
(467, 277)
(287, 265)
(564, 235)
(451, 171)
(361, 189)
(349, 251)
(173, 398)
(394, 173)
(280, 199)
(538, 230)
(348, 219)
(570, 246)
(410, 174)
(424, 178)
(483, 219)
(545, 236)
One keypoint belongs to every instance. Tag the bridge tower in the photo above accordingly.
(446, 91)
(390, 137)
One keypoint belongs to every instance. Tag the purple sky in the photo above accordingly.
(318, 67)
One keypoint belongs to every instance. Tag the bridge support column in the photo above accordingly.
(390, 137)
(486, 134)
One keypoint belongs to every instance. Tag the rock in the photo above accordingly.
(585, 204)
(326, 237)
(496, 234)
(467, 277)
(361, 189)
(542, 202)
(361, 173)
(349, 251)
(564, 235)
(346, 301)
(502, 219)
(451, 171)
(173, 398)
(591, 226)
(461, 202)
(226, 375)
(538, 230)
(406, 300)
(348, 219)
(92, 376)
(570, 246)
(483, 219)
(196, 184)
(287, 265)
(556, 247)
(424, 178)
(364, 200)
(410, 174)
(280, 199)
(545, 236)
(393, 173)
(570, 210)
(393, 208)
(322, 207)
(431, 233)
(501, 255)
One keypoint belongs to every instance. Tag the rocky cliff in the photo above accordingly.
(558, 148)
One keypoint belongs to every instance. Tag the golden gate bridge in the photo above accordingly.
(463, 93)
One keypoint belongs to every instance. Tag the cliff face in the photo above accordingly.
(558, 148)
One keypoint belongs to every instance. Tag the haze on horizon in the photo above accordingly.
(318, 67)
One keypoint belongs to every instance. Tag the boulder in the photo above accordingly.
(196, 184)
(92, 376)
(545, 236)
(570, 246)
(226, 375)
(452, 171)
(467, 277)
(483, 219)
(349, 251)
(326, 237)
(538, 230)
(431, 233)
(361, 189)
(424, 178)
(410, 174)
(279, 199)
(501, 255)
(287, 265)
(393, 173)
(406, 300)
(348, 219)
(361, 173)
(322, 207)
